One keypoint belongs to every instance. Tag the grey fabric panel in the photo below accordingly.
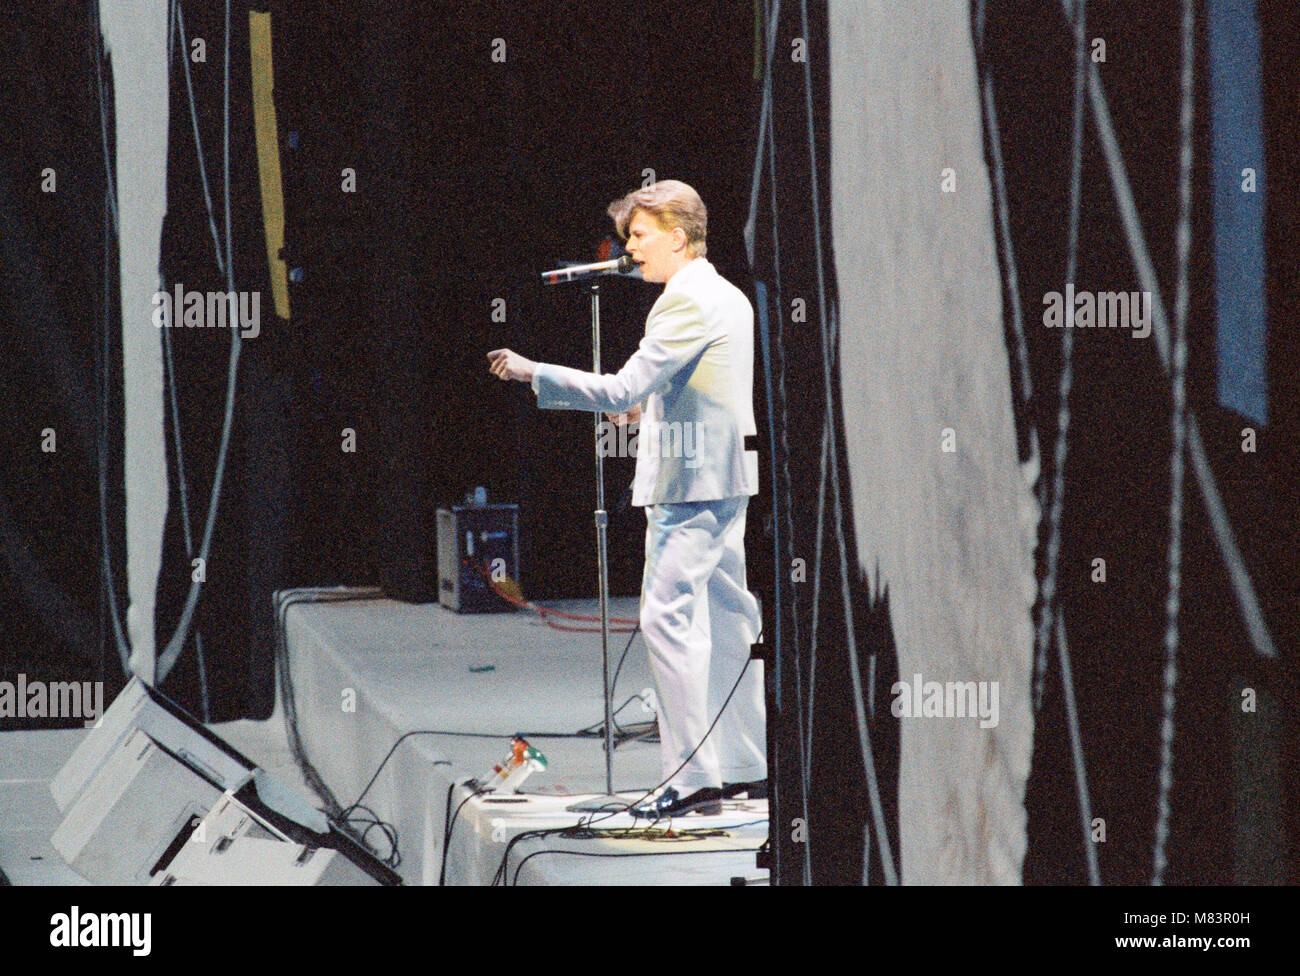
(135, 35)
(921, 350)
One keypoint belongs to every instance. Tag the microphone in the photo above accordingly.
(579, 272)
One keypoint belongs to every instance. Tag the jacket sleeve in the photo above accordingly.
(676, 334)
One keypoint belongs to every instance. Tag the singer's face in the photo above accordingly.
(657, 250)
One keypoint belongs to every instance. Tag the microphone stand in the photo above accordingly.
(609, 801)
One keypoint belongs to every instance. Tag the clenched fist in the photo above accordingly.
(507, 364)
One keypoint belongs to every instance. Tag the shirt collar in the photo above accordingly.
(689, 272)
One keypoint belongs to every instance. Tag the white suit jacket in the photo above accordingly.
(694, 373)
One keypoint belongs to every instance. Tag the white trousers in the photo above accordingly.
(699, 620)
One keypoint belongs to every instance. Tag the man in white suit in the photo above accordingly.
(690, 386)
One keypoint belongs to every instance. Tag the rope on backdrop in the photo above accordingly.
(1186, 440)
(167, 659)
(1178, 427)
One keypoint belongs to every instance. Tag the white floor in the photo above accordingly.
(28, 816)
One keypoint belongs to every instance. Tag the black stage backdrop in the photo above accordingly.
(471, 175)
(1235, 815)
(1117, 475)
(54, 299)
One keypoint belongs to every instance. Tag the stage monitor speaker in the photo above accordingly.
(147, 775)
(120, 828)
(233, 846)
(140, 708)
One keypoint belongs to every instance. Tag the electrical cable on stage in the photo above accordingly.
(333, 808)
(639, 730)
(310, 774)
(520, 602)
(588, 820)
(344, 817)
(468, 735)
(512, 593)
(643, 834)
(449, 822)
(340, 814)
(519, 867)
(393, 859)
(726, 701)
(622, 657)
(624, 735)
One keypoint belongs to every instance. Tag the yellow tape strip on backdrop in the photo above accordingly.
(268, 155)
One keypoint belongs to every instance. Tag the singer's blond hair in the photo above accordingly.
(673, 204)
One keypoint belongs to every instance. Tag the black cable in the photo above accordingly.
(375, 822)
(585, 822)
(503, 868)
(657, 835)
(338, 813)
(450, 823)
(624, 734)
(614, 684)
(467, 735)
(402, 738)
(698, 745)
(333, 808)
(390, 830)
(623, 657)
(311, 775)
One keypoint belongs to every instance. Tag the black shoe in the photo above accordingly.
(757, 790)
(707, 801)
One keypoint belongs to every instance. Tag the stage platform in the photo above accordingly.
(364, 672)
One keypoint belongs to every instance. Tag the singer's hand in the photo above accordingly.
(506, 364)
(631, 417)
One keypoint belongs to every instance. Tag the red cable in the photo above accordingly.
(628, 625)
